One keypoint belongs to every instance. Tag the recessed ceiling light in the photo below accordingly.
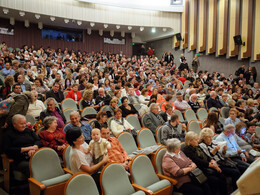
(117, 27)
(79, 22)
(6, 11)
(22, 14)
(164, 29)
(129, 27)
(37, 16)
(105, 25)
(66, 21)
(153, 30)
(52, 18)
(141, 28)
(92, 24)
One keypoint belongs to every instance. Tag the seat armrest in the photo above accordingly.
(146, 191)
(37, 183)
(6, 159)
(66, 170)
(173, 181)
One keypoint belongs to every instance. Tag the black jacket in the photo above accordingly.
(57, 96)
(48, 113)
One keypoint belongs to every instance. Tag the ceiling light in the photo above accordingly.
(117, 27)
(52, 18)
(129, 27)
(6, 11)
(164, 29)
(153, 30)
(22, 14)
(105, 25)
(92, 24)
(79, 22)
(141, 28)
(66, 21)
(37, 16)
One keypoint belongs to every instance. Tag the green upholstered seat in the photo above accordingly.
(128, 143)
(145, 138)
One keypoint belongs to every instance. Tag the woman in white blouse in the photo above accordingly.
(36, 106)
(144, 98)
(119, 124)
(79, 159)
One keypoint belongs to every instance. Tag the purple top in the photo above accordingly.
(60, 120)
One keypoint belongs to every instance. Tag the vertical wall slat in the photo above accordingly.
(212, 26)
(257, 30)
(185, 23)
(193, 24)
(222, 27)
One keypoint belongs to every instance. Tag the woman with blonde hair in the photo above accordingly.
(88, 99)
(209, 166)
(112, 107)
(232, 119)
(211, 148)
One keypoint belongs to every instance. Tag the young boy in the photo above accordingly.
(98, 146)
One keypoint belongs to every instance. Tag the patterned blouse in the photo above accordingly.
(54, 139)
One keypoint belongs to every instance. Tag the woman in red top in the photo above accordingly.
(52, 136)
(74, 93)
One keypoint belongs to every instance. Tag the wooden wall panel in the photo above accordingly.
(212, 26)
(193, 18)
(202, 25)
(257, 30)
(234, 10)
(246, 28)
(222, 26)
(185, 25)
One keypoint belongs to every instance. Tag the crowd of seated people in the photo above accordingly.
(113, 85)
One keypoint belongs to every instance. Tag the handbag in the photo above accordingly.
(198, 176)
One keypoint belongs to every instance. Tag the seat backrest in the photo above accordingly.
(189, 115)
(158, 134)
(45, 164)
(145, 138)
(80, 104)
(127, 141)
(69, 103)
(177, 112)
(202, 114)
(158, 160)
(257, 130)
(194, 126)
(30, 119)
(212, 108)
(88, 111)
(224, 112)
(67, 114)
(91, 121)
(222, 120)
(65, 93)
(41, 129)
(109, 120)
(137, 106)
(142, 171)
(111, 186)
(134, 121)
(104, 108)
(66, 157)
(81, 184)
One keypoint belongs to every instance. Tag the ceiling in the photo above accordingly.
(140, 36)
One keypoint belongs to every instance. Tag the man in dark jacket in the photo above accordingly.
(213, 101)
(55, 93)
(52, 110)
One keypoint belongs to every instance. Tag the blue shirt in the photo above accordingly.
(232, 145)
(85, 128)
(7, 72)
(230, 121)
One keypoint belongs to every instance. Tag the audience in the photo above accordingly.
(115, 80)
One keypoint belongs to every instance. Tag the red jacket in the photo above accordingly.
(71, 95)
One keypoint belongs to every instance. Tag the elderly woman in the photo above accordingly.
(209, 166)
(112, 106)
(88, 99)
(119, 124)
(127, 108)
(52, 136)
(177, 165)
(74, 93)
(232, 119)
(41, 88)
(101, 120)
(213, 150)
(36, 106)
(80, 160)
(20, 143)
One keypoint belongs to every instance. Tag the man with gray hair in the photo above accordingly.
(234, 152)
(152, 119)
(53, 110)
(75, 122)
(213, 101)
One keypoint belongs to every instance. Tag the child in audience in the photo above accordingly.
(98, 146)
